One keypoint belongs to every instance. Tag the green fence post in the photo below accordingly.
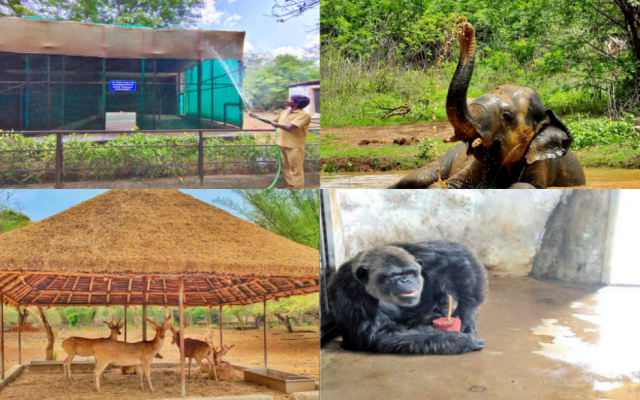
(104, 92)
(201, 139)
(240, 74)
(155, 65)
(212, 67)
(26, 92)
(64, 61)
(142, 98)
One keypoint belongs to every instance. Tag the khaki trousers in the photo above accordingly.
(292, 163)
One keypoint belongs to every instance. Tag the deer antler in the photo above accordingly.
(153, 322)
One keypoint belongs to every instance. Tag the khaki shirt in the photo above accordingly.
(296, 138)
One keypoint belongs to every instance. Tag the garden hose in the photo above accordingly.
(268, 121)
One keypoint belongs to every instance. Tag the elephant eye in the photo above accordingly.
(507, 117)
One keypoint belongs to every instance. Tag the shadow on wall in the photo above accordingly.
(575, 239)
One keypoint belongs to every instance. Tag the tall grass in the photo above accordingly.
(355, 89)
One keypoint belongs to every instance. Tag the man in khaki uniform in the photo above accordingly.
(293, 125)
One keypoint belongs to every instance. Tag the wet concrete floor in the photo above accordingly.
(543, 341)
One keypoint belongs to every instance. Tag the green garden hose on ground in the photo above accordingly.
(279, 157)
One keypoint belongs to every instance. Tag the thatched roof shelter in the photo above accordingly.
(128, 247)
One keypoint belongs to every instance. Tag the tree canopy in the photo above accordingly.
(596, 43)
(293, 214)
(151, 13)
(267, 79)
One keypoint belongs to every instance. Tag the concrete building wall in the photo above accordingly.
(503, 227)
(307, 90)
(575, 240)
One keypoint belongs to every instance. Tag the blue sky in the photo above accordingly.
(264, 34)
(43, 203)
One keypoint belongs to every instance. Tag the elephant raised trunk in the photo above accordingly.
(460, 115)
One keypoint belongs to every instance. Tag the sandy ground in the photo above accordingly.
(252, 123)
(387, 134)
(292, 352)
(114, 385)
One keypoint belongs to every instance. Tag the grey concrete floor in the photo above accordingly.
(543, 341)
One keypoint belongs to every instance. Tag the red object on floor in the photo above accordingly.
(452, 325)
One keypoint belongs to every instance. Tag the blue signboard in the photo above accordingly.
(122, 86)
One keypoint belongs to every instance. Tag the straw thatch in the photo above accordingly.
(131, 246)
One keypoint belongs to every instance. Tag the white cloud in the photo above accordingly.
(287, 50)
(313, 39)
(210, 15)
(248, 47)
(231, 1)
(231, 20)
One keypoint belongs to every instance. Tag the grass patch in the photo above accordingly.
(609, 156)
(384, 157)
(137, 156)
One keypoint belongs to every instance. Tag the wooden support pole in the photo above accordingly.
(125, 323)
(220, 318)
(2, 335)
(155, 71)
(144, 308)
(19, 338)
(265, 331)
(183, 390)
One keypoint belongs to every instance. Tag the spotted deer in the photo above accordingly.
(193, 348)
(139, 354)
(83, 347)
(221, 370)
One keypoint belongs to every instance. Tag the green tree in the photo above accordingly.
(10, 216)
(16, 8)
(267, 79)
(151, 13)
(293, 214)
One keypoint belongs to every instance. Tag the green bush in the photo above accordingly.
(592, 132)
(138, 155)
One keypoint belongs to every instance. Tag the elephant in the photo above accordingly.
(509, 139)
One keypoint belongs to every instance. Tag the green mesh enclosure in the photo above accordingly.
(57, 92)
(220, 100)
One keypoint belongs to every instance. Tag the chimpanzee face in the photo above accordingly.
(393, 276)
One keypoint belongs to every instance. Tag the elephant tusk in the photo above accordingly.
(476, 143)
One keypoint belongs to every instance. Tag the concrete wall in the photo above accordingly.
(575, 240)
(503, 227)
(307, 90)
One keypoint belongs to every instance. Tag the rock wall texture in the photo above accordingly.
(503, 227)
(575, 239)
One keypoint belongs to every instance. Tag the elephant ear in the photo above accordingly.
(552, 141)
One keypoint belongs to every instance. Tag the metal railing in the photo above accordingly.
(175, 153)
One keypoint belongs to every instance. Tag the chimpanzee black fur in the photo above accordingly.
(385, 299)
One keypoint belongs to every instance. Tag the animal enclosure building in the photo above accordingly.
(311, 89)
(58, 75)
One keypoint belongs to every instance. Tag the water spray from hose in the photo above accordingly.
(249, 108)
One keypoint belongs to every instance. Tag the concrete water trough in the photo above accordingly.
(280, 380)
